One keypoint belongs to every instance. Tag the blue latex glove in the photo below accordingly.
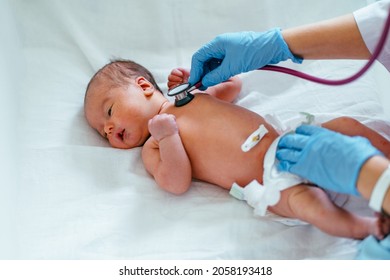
(239, 52)
(326, 158)
(373, 249)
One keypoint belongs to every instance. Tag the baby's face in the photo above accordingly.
(119, 114)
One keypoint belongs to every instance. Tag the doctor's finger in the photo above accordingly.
(293, 141)
(197, 65)
(196, 72)
(284, 166)
(291, 156)
(214, 77)
(309, 129)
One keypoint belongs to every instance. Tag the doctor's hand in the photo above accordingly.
(326, 158)
(240, 52)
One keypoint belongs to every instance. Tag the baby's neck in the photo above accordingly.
(163, 106)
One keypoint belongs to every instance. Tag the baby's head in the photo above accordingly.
(119, 101)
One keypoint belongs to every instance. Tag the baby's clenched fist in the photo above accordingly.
(163, 125)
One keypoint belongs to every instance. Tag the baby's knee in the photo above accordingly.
(347, 121)
(297, 201)
(307, 202)
(344, 125)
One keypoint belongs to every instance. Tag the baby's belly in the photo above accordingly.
(235, 167)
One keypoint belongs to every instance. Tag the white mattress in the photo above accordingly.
(77, 198)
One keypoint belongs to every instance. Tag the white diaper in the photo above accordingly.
(260, 196)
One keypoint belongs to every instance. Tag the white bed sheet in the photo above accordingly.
(80, 199)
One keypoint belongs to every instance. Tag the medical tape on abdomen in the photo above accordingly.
(254, 138)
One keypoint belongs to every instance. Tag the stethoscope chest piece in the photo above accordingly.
(181, 94)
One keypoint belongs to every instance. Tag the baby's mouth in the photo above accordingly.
(122, 134)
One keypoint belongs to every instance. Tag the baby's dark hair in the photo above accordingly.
(119, 72)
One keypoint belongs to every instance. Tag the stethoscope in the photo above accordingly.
(183, 96)
(182, 92)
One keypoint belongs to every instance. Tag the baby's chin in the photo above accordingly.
(128, 147)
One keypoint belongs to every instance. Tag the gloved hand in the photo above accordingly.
(241, 52)
(373, 249)
(326, 158)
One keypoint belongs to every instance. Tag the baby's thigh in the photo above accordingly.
(300, 201)
(352, 127)
(345, 125)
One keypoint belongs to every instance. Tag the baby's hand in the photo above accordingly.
(164, 125)
(178, 76)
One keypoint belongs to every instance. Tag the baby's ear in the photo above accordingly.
(146, 86)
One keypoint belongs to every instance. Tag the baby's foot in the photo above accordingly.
(381, 227)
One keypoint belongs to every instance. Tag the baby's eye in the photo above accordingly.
(109, 111)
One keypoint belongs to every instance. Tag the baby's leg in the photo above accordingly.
(352, 127)
(312, 205)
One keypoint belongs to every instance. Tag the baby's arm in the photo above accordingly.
(164, 155)
(227, 91)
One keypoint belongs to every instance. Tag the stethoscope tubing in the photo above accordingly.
(302, 75)
(344, 81)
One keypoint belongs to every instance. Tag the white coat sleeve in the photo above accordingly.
(370, 21)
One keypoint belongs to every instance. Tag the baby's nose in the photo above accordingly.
(108, 128)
